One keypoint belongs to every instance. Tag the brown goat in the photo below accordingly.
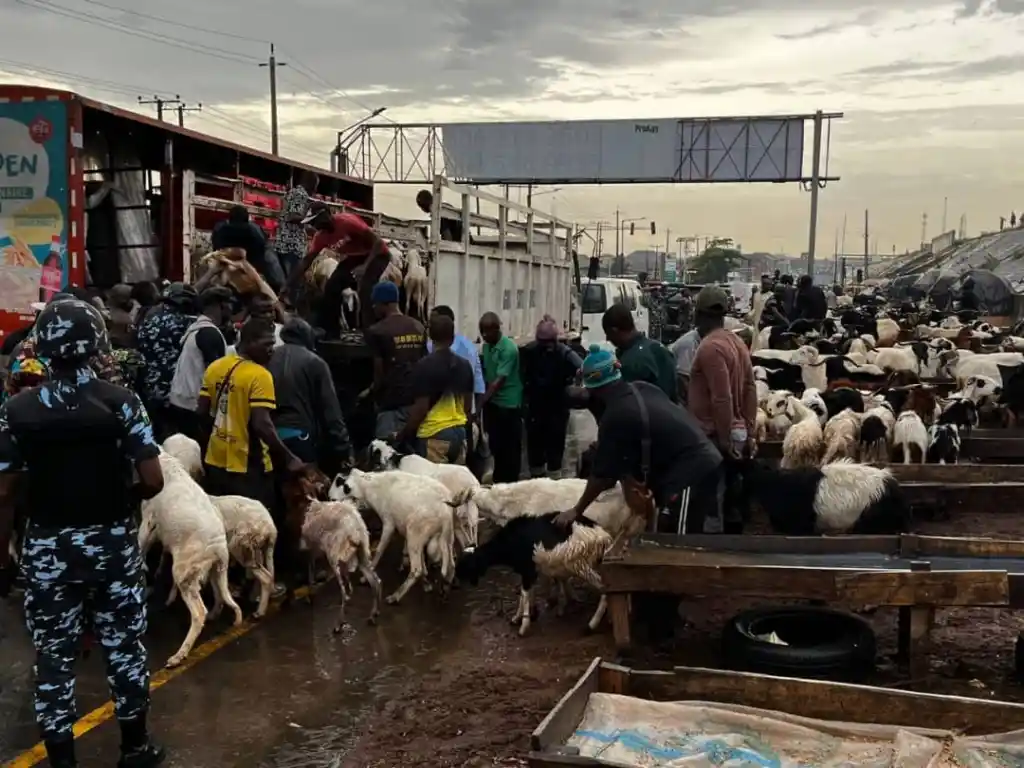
(298, 490)
(922, 400)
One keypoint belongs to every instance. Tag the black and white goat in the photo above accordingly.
(841, 497)
(943, 444)
(534, 546)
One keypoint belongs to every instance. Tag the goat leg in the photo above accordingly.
(374, 582)
(526, 599)
(341, 604)
(595, 620)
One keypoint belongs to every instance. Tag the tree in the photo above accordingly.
(719, 258)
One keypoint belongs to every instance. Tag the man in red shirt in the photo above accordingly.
(355, 242)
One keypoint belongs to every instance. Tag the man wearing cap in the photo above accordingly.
(397, 342)
(722, 395)
(642, 359)
(681, 458)
(353, 240)
(74, 441)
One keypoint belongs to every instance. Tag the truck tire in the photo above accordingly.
(822, 643)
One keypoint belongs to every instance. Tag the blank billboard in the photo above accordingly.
(621, 151)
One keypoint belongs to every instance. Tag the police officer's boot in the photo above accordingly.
(137, 749)
(61, 752)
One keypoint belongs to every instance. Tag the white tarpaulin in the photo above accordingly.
(625, 731)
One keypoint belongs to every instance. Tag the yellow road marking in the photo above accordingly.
(102, 714)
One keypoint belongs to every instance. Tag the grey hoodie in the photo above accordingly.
(304, 390)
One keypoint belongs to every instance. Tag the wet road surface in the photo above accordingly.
(286, 693)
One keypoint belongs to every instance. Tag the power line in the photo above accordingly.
(173, 23)
(303, 69)
(213, 114)
(173, 42)
(160, 104)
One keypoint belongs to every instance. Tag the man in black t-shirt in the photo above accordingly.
(442, 388)
(397, 342)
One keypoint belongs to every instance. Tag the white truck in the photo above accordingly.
(514, 260)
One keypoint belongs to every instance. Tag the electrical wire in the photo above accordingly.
(300, 67)
(168, 40)
(215, 115)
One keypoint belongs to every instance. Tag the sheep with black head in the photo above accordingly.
(841, 497)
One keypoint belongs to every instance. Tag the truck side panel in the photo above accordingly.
(37, 210)
(521, 293)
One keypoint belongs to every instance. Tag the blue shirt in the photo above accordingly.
(466, 349)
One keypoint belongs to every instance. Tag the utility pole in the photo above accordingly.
(160, 104)
(945, 210)
(272, 64)
(182, 109)
(866, 243)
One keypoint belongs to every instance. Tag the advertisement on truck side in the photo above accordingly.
(33, 202)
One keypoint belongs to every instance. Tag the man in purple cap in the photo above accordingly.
(547, 367)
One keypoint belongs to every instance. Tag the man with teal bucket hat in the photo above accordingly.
(645, 438)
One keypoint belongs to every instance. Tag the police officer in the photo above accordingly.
(76, 438)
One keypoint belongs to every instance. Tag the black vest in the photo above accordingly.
(78, 473)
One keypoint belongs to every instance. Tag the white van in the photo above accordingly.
(599, 294)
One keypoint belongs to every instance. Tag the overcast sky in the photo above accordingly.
(931, 91)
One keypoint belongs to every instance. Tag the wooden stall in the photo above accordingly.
(836, 702)
(914, 573)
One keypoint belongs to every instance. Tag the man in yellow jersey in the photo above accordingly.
(237, 394)
(442, 390)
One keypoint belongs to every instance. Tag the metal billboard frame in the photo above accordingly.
(413, 153)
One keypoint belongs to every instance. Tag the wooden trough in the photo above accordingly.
(837, 702)
(911, 572)
(982, 445)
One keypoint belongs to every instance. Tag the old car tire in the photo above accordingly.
(821, 643)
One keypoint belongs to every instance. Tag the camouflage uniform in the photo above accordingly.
(85, 431)
(656, 311)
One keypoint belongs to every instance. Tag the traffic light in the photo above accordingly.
(654, 229)
(632, 228)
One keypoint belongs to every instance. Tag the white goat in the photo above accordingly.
(187, 451)
(187, 524)
(455, 477)
(336, 531)
(415, 285)
(251, 536)
(909, 433)
(802, 444)
(417, 507)
(505, 501)
(888, 332)
(350, 306)
(842, 435)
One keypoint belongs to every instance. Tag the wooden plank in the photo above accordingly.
(560, 723)
(977, 497)
(935, 588)
(841, 702)
(956, 473)
(618, 614)
(975, 446)
(768, 544)
(912, 545)
(705, 580)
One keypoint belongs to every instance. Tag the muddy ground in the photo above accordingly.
(478, 706)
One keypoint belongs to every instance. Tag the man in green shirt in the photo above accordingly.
(642, 359)
(502, 402)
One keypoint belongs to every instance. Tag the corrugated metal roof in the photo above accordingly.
(999, 252)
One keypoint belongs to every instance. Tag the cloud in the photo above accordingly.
(926, 85)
